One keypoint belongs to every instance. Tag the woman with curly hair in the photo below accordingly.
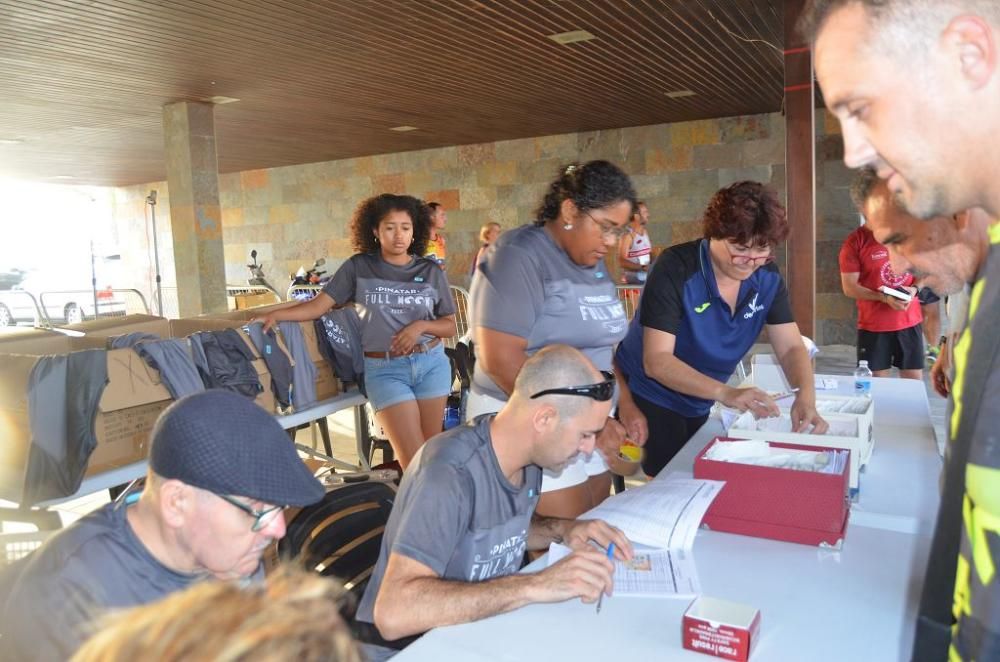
(406, 309)
(547, 283)
(704, 304)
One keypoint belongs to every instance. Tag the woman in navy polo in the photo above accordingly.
(704, 305)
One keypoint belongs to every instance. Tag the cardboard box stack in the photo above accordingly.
(129, 406)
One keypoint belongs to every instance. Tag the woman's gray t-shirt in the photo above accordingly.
(389, 297)
(529, 287)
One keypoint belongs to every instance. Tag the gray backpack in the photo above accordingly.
(339, 335)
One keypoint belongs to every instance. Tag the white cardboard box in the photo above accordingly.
(847, 405)
(845, 432)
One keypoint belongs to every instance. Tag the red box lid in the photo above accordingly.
(777, 503)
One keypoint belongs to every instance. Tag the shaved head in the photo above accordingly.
(557, 366)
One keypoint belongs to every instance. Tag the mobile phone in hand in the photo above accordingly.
(902, 295)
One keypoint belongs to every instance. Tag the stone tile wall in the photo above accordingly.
(293, 215)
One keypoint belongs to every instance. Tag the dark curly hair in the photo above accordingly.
(372, 211)
(747, 213)
(864, 183)
(593, 185)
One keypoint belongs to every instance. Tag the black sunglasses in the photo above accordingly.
(602, 391)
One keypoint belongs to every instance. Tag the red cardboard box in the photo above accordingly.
(804, 507)
(720, 628)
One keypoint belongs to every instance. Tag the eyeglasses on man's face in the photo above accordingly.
(741, 257)
(261, 518)
(608, 229)
(601, 391)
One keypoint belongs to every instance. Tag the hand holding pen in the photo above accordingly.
(611, 556)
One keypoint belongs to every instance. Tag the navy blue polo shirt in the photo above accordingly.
(682, 298)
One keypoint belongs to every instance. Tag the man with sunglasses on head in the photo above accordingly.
(705, 303)
(221, 472)
(890, 332)
(464, 515)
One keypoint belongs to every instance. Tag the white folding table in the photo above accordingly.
(858, 603)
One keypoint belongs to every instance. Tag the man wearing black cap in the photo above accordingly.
(221, 472)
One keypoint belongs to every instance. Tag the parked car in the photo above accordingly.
(61, 303)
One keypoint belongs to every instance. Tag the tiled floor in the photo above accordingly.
(834, 359)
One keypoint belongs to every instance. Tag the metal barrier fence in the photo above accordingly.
(171, 307)
(302, 292)
(629, 296)
(268, 295)
(74, 306)
(20, 306)
(461, 296)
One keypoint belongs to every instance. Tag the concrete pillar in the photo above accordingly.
(195, 217)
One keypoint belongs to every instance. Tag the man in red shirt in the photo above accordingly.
(889, 329)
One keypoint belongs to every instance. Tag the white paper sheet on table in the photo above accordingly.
(651, 572)
(664, 513)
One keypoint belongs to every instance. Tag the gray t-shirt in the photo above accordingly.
(457, 513)
(388, 297)
(528, 287)
(93, 565)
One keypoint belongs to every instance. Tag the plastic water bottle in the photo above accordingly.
(863, 380)
(451, 416)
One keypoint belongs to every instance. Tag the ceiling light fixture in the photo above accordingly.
(10, 141)
(218, 101)
(680, 94)
(572, 37)
(403, 129)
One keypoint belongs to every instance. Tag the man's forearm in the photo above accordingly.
(429, 602)
(862, 293)
(546, 530)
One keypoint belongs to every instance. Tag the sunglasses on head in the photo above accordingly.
(602, 391)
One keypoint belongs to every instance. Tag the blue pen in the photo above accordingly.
(611, 556)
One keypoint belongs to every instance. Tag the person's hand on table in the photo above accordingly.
(407, 338)
(805, 418)
(634, 422)
(751, 399)
(579, 534)
(584, 574)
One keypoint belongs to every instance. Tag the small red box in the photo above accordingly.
(805, 507)
(720, 628)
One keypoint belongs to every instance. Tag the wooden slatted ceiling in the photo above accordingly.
(82, 83)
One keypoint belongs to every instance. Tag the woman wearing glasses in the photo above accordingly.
(548, 283)
(704, 305)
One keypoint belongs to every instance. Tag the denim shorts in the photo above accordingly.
(415, 377)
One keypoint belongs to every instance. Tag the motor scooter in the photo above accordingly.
(257, 278)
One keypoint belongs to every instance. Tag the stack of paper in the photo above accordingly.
(663, 514)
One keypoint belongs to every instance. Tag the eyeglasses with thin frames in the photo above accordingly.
(747, 260)
(601, 391)
(608, 229)
(261, 518)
